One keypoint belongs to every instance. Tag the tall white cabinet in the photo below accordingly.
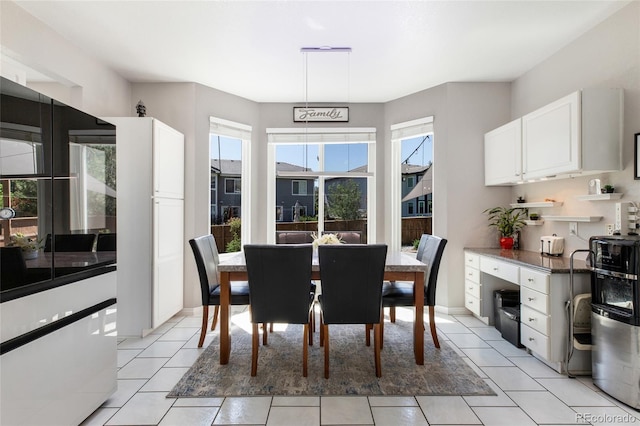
(150, 206)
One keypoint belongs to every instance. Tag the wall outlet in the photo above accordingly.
(573, 228)
(609, 227)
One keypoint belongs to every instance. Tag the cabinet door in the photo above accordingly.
(168, 249)
(551, 139)
(168, 161)
(502, 154)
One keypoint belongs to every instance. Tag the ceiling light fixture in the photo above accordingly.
(325, 49)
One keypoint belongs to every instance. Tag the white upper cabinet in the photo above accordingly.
(168, 161)
(551, 138)
(579, 134)
(503, 154)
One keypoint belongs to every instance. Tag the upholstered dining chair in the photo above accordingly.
(106, 242)
(279, 276)
(351, 278)
(397, 293)
(70, 242)
(206, 256)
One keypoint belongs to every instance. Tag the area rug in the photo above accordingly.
(352, 369)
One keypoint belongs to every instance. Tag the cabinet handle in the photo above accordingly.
(531, 319)
(471, 302)
(470, 288)
(531, 339)
(530, 280)
(495, 269)
(531, 299)
(470, 274)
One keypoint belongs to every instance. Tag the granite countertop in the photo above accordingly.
(533, 259)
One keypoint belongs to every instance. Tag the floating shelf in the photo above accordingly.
(538, 205)
(534, 222)
(600, 197)
(573, 218)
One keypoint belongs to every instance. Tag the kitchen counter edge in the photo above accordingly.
(533, 259)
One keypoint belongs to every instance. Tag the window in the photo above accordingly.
(410, 208)
(421, 207)
(410, 181)
(329, 172)
(232, 186)
(229, 212)
(299, 187)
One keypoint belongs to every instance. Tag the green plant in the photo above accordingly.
(608, 189)
(506, 220)
(234, 226)
(416, 243)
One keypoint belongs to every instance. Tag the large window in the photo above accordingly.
(232, 185)
(330, 174)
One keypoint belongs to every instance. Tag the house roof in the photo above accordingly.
(234, 167)
(423, 187)
(412, 169)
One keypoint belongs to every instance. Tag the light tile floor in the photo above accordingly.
(528, 392)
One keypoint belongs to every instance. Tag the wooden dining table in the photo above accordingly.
(399, 266)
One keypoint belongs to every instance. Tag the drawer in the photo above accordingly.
(472, 288)
(472, 260)
(534, 319)
(537, 281)
(534, 299)
(537, 342)
(472, 274)
(506, 271)
(472, 303)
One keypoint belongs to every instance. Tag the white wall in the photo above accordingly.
(606, 56)
(90, 85)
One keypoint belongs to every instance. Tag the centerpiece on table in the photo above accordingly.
(507, 221)
(29, 246)
(324, 239)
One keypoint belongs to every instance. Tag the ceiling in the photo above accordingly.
(252, 48)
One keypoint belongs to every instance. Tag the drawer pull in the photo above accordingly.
(470, 288)
(470, 274)
(531, 319)
(495, 269)
(531, 339)
(531, 299)
(531, 280)
(471, 302)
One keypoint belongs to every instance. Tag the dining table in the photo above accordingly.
(399, 266)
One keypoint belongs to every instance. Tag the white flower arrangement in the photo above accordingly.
(325, 239)
(27, 244)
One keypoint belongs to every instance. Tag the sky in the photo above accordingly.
(338, 157)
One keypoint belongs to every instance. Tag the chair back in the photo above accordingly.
(430, 251)
(351, 278)
(106, 242)
(206, 256)
(294, 237)
(70, 242)
(13, 268)
(279, 279)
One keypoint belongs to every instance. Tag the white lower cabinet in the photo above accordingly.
(543, 297)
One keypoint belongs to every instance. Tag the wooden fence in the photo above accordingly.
(412, 229)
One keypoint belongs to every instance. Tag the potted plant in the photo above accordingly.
(608, 189)
(534, 216)
(507, 221)
(29, 246)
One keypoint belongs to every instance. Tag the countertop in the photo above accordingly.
(533, 259)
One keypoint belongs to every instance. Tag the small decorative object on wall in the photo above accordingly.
(637, 156)
(141, 109)
(320, 114)
(594, 187)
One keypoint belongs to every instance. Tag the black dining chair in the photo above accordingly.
(351, 278)
(397, 293)
(70, 242)
(206, 256)
(279, 277)
(106, 242)
(13, 268)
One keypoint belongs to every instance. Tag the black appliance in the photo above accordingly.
(615, 316)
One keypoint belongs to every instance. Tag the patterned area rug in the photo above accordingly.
(352, 369)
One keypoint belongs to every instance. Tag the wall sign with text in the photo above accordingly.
(321, 114)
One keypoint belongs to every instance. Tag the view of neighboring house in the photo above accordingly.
(417, 188)
(226, 190)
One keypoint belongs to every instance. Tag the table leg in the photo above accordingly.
(225, 301)
(418, 323)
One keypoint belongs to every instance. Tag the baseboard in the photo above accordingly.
(453, 310)
(196, 311)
